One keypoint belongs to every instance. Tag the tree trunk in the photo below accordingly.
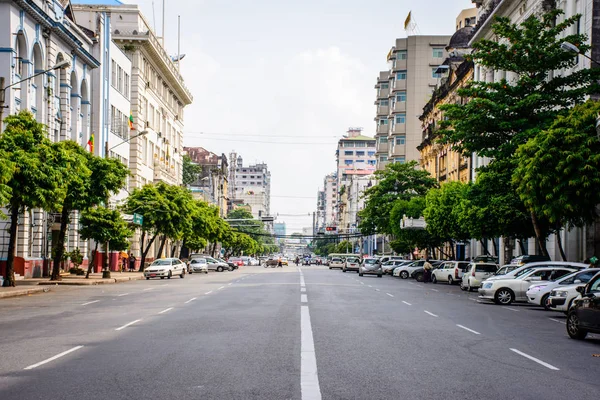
(522, 246)
(214, 248)
(442, 253)
(453, 253)
(484, 245)
(162, 246)
(495, 247)
(91, 264)
(183, 245)
(59, 246)
(173, 250)
(9, 279)
(560, 245)
(145, 253)
(541, 240)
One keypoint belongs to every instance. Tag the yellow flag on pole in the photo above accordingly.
(407, 20)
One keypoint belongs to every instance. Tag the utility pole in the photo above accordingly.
(2, 100)
(105, 263)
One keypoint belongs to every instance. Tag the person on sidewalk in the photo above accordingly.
(427, 267)
(132, 260)
(123, 261)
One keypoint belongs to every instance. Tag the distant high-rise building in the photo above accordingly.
(252, 184)
(212, 183)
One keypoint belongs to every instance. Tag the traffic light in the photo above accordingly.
(331, 229)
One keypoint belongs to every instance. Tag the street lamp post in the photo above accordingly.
(105, 269)
(62, 64)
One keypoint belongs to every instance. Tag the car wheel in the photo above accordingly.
(504, 296)
(573, 329)
(343, 269)
(433, 279)
(147, 278)
(360, 274)
(206, 272)
(330, 268)
(169, 276)
(419, 277)
(462, 286)
(162, 277)
(450, 280)
(182, 274)
(191, 272)
(379, 276)
(230, 268)
(544, 302)
(219, 269)
(404, 274)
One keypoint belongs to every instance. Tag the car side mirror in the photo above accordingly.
(577, 281)
(581, 289)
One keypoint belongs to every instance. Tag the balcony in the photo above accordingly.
(383, 148)
(383, 110)
(400, 84)
(399, 106)
(383, 129)
(399, 128)
(383, 93)
(399, 65)
(164, 173)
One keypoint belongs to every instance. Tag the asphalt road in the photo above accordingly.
(286, 333)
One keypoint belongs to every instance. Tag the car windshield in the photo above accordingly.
(370, 261)
(162, 262)
(352, 260)
(199, 261)
(485, 268)
(336, 260)
(523, 272)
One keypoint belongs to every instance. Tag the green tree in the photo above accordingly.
(406, 239)
(104, 225)
(90, 181)
(36, 181)
(559, 170)
(190, 170)
(502, 115)
(396, 182)
(203, 223)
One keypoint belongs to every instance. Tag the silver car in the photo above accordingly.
(336, 263)
(370, 266)
(352, 264)
(198, 265)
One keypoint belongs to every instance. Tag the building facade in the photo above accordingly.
(402, 92)
(252, 184)
(212, 183)
(36, 35)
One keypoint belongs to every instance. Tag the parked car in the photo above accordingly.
(370, 266)
(506, 291)
(418, 274)
(475, 274)
(506, 269)
(385, 259)
(389, 266)
(336, 263)
(229, 263)
(539, 293)
(486, 259)
(529, 258)
(216, 265)
(542, 264)
(450, 272)
(352, 264)
(253, 261)
(197, 265)
(165, 268)
(237, 261)
(584, 316)
(562, 298)
(404, 271)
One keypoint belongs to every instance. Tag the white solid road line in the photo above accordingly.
(303, 289)
(90, 302)
(545, 364)
(190, 300)
(435, 290)
(126, 325)
(309, 377)
(303, 298)
(123, 294)
(430, 313)
(511, 309)
(167, 310)
(150, 288)
(208, 292)
(222, 287)
(64, 353)
(391, 295)
(557, 320)
(407, 303)
(467, 329)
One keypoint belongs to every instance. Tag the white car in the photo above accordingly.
(561, 298)
(539, 293)
(449, 272)
(540, 264)
(506, 291)
(405, 270)
(198, 265)
(336, 263)
(352, 264)
(165, 268)
(253, 262)
(389, 266)
(475, 274)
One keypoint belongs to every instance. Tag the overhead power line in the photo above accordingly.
(257, 135)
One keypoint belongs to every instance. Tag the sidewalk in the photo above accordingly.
(39, 285)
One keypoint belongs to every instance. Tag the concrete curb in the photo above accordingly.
(22, 292)
(89, 282)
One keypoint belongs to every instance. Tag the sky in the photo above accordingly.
(280, 81)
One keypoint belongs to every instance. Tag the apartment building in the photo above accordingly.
(330, 189)
(212, 183)
(402, 92)
(252, 184)
(36, 35)
(355, 156)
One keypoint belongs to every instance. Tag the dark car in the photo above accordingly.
(419, 273)
(529, 258)
(584, 315)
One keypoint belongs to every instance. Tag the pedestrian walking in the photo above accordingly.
(132, 260)
(427, 267)
(123, 261)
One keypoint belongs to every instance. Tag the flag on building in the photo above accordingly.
(407, 20)
(130, 121)
(90, 143)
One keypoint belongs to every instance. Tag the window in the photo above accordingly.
(348, 162)
(113, 73)
(371, 162)
(435, 74)
(119, 79)
(383, 140)
(126, 88)
(400, 118)
(401, 140)
(348, 144)
(360, 153)
(244, 176)
(385, 85)
(383, 121)
(371, 153)
(401, 55)
(361, 144)
(348, 153)
(383, 158)
(400, 160)
(438, 52)
(360, 161)
(401, 97)
(384, 103)
(401, 75)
